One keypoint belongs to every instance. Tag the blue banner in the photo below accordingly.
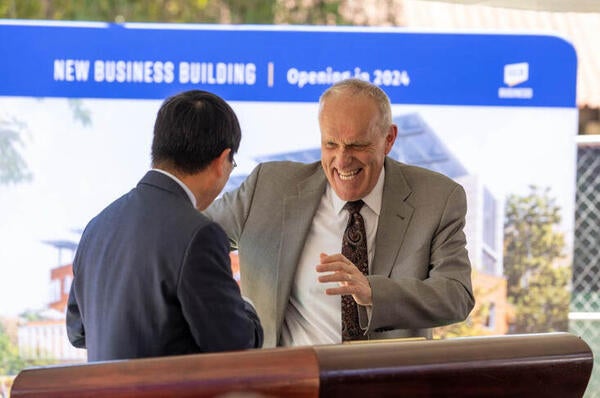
(268, 63)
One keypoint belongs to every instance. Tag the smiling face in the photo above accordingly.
(354, 143)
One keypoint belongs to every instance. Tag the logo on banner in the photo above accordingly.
(515, 74)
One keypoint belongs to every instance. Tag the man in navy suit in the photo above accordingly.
(152, 275)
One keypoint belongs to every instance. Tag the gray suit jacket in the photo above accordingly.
(152, 277)
(420, 275)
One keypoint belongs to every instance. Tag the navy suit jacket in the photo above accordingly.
(152, 277)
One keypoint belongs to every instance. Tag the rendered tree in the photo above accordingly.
(10, 362)
(534, 263)
(13, 168)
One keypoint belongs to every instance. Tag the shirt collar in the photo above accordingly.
(178, 181)
(372, 200)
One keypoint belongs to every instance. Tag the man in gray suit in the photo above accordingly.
(152, 275)
(288, 220)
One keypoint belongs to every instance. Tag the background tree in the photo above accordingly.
(10, 361)
(534, 263)
(313, 12)
(310, 12)
(81, 114)
(192, 11)
(13, 168)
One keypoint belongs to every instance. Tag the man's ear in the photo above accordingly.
(390, 138)
(221, 163)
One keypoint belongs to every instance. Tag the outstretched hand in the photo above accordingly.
(349, 278)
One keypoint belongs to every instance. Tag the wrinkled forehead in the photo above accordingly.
(351, 114)
(349, 122)
(344, 99)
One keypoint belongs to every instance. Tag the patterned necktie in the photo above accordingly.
(354, 248)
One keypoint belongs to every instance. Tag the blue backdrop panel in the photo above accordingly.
(266, 63)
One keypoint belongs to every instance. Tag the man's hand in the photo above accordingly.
(350, 279)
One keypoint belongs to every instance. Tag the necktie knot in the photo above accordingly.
(354, 207)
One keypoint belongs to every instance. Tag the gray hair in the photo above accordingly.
(360, 87)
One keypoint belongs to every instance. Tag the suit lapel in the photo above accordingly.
(393, 220)
(298, 212)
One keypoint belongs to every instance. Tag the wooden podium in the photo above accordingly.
(535, 365)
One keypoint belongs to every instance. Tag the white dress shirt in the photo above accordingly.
(312, 317)
(181, 184)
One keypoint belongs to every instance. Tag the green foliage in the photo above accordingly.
(31, 315)
(533, 252)
(315, 12)
(81, 114)
(13, 168)
(191, 11)
(311, 12)
(249, 11)
(10, 362)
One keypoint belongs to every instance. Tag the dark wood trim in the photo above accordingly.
(272, 372)
(535, 365)
(545, 365)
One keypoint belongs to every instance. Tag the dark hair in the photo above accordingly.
(192, 129)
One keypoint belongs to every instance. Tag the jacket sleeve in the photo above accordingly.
(75, 329)
(445, 296)
(218, 317)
